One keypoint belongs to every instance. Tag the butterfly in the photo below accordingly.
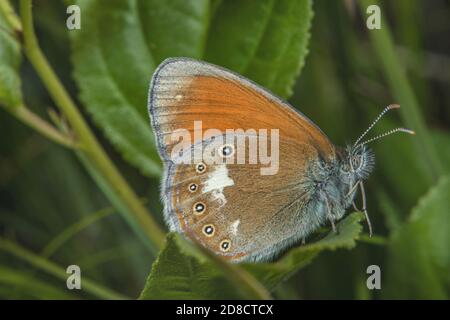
(219, 190)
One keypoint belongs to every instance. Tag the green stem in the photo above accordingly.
(57, 271)
(43, 127)
(10, 16)
(402, 90)
(91, 147)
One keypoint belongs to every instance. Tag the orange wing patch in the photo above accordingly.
(184, 92)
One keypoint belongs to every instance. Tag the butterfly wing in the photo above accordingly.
(232, 208)
(184, 91)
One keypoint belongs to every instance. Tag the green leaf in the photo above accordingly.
(183, 272)
(265, 40)
(10, 58)
(419, 259)
(112, 67)
(122, 41)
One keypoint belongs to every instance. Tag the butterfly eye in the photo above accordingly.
(225, 245)
(193, 187)
(208, 230)
(200, 167)
(356, 161)
(199, 208)
(226, 150)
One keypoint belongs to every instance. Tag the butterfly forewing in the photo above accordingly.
(185, 90)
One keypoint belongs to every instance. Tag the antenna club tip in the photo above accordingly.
(407, 131)
(394, 106)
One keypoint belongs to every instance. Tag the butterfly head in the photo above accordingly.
(357, 163)
(357, 160)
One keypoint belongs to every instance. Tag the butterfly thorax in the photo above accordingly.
(333, 181)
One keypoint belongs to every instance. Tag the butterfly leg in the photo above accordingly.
(355, 207)
(364, 209)
(352, 189)
(331, 216)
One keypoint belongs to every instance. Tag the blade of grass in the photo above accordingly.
(93, 262)
(23, 285)
(402, 90)
(92, 149)
(51, 268)
(72, 230)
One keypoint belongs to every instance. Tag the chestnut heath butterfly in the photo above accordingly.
(222, 187)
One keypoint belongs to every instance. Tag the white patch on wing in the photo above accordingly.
(234, 226)
(217, 180)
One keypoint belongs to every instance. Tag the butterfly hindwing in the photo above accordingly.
(252, 214)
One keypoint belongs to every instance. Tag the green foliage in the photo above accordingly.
(182, 272)
(403, 92)
(10, 58)
(419, 252)
(31, 287)
(53, 213)
(113, 79)
(272, 42)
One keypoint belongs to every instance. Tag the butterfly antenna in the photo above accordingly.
(386, 134)
(389, 107)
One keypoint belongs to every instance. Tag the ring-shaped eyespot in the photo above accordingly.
(200, 167)
(226, 151)
(225, 245)
(199, 208)
(209, 230)
(193, 187)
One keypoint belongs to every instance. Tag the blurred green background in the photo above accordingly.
(54, 214)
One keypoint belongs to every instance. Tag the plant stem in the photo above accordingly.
(43, 127)
(57, 271)
(91, 147)
(402, 90)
